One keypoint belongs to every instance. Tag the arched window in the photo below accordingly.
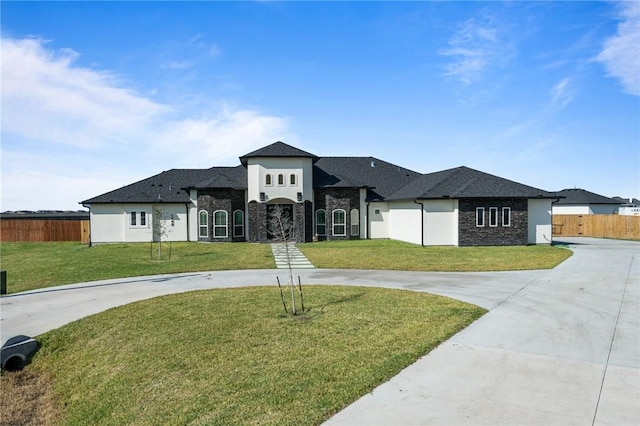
(292, 179)
(267, 180)
(238, 223)
(321, 222)
(339, 222)
(203, 223)
(220, 223)
(281, 179)
(355, 222)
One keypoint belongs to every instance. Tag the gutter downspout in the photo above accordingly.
(368, 227)
(421, 221)
(186, 205)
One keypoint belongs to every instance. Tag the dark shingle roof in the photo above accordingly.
(225, 177)
(277, 149)
(581, 196)
(627, 201)
(464, 182)
(380, 177)
(167, 187)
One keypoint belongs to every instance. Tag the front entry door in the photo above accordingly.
(287, 220)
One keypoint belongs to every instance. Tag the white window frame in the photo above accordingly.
(335, 223)
(355, 222)
(493, 217)
(237, 225)
(203, 226)
(281, 179)
(479, 215)
(268, 180)
(138, 219)
(224, 226)
(323, 223)
(293, 179)
(506, 210)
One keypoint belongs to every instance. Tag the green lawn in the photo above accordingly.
(397, 255)
(35, 265)
(233, 357)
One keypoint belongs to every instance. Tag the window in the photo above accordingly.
(321, 222)
(376, 211)
(238, 223)
(281, 179)
(355, 222)
(220, 224)
(339, 222)
(138, 219)
(292, 180)
(506, 216)
(480, 216)
(267, 180)
(493, 216)
(203, 224)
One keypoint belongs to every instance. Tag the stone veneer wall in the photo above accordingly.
(228, 200)
(471, 235)
(259, 222)
(331, 199)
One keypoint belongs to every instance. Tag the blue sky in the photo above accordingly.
(99, 95)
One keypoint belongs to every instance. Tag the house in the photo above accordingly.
(628, 206)
(328, 198)
(580, 201)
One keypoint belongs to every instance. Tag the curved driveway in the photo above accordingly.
(558, 346)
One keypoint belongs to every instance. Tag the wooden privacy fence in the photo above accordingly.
(597, 225)
(42, 230)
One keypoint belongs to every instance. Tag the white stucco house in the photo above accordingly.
(328, 198)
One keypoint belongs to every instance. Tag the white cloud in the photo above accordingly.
(69, 131)
(48, 100)
(561, 95)
(477, 45)
(621, 53)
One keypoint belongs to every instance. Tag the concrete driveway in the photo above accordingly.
(558, 347)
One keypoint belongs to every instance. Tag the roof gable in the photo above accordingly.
(277, 149)
(464, 182)
(225, 177)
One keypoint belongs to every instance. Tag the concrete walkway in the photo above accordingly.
(557, 347)
(283, 252)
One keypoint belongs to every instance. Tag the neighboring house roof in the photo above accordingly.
(45, 214)
(464, 182)
(581, 196)
(629, 202)
(166, 187)
(277, 149)
(381, 178)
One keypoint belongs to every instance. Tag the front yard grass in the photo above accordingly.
(397, 255)
(31, 266)
(232, 356)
